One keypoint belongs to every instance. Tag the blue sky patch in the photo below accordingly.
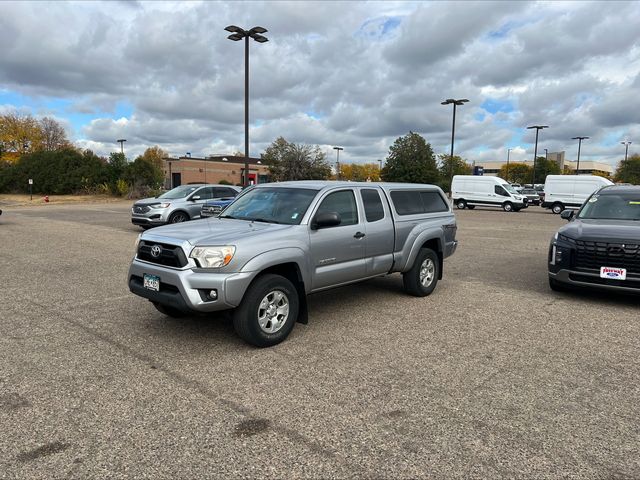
(495, 106)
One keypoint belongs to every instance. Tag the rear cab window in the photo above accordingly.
(373, 209)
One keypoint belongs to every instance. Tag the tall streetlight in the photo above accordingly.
(546, 154)
(337, 149)
(237, 34)
(455, 103)
(579, 144)
(121, 142)
(508, 154)
(535, 152)
(626, 149)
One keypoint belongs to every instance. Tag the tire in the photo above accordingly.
(557, 286)
(461, 204)
(507, 206)
(422, 278)
(178, 217)
(517, 209)
(471, 207)
(169, 311)
(269, 297)
(557, 208)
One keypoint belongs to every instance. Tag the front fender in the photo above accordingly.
(281, 256)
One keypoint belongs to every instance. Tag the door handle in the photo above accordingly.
(358, 235)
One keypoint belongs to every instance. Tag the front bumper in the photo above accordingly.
(592, 280)
(185, 289)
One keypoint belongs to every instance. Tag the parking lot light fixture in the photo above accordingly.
(237, 34)
(535, 152)
(626, 149)
(455, 103)
(121, 142)
(579, 144)
(337, 149)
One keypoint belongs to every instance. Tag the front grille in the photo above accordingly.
(140, 209)
(170, 255)
(591, 256)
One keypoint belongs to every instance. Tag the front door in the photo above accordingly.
(176, 179)
(337, 253)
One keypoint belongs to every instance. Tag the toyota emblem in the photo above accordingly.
(156, 250)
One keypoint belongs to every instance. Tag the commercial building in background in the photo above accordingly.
(566, 167)
(213, 169)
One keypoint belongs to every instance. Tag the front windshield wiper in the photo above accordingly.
(231, 217)
(263, 220)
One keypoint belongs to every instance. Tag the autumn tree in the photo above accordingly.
(290, 161)
(410, 160)
(20, 133)
(628, 170)
(360, 172)
(53, 135)
(516, 172)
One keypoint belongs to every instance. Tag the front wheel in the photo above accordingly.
(178, 217)
(507, 206)
(422, 279)
(461, 204)
(268, 311)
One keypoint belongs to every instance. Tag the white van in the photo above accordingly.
(471, 190)
(570, 191)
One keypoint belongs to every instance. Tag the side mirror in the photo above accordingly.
(567, 214)
(324, 220)
(194, 198)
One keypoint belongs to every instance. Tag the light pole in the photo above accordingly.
(455, 103)
(508, 154)
(337, 149)
(626, 149)
(237, 34)
(546, 154)
(579, 145)
(121, 142)
(535, 152)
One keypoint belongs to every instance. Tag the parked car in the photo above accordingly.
(468, 191)
(213, 208)
(570, 191)
(533, 198)
(178, 204)
(600, 246)
(278, 242)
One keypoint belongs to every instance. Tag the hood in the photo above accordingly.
(152, 200)
(611, 231)
(214, 231)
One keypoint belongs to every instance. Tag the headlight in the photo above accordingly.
(213, 257)
(137, 242)
(555, 237)
(161, 205)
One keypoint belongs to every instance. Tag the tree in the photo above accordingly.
(145, 171)
(290, 161)
(516, 173)
(544, 167)
(628, 170)
(410, 160)
(460, 166)
(20, 134)
(358, 172)
(155, 155)
(117, 164)
(53, 135)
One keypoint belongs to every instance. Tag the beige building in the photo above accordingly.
(213, 169)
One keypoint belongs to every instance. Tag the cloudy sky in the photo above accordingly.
(354, 74)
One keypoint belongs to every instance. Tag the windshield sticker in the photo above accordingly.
(634, 203)
(294, 216)
(593, 199)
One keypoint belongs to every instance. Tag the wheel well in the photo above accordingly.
(291, 272)
(434, 244)
(180, 211)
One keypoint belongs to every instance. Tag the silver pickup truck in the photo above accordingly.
(279, 242)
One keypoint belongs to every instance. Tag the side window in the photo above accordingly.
(500, 191)
(433, 202)
(373, 210)
(229, 192)
(407, 202)
(204, 193)
(344, 203)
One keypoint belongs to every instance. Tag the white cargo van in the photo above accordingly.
(471, 190)
(570, 191)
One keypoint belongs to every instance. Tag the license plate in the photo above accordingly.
(151, 282)
(613, 273)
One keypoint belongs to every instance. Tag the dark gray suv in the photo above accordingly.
(177, 205)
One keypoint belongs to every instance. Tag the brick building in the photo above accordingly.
(212, 169)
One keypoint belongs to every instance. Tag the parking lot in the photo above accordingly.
(491, 376)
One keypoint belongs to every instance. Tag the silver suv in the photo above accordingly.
(178, 205)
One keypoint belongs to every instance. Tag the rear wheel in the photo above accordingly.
(178, 217)
(557, 208)
(421, 280)
(471, 207)
(507, 206)
(268, 311)
(461, 204)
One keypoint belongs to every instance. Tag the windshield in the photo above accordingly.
(509, 188)
(271, 205)
(179, 192)
(621, 206)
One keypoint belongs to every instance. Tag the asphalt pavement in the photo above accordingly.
(492, 376)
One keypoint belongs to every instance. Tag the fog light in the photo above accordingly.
(558, 256)
(213, 294)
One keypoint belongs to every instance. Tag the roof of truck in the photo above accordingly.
(320, 184)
